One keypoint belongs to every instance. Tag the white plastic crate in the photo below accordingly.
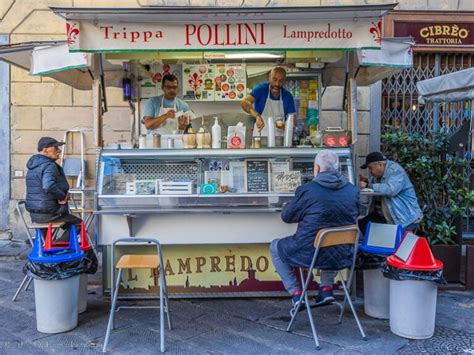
(176, 187)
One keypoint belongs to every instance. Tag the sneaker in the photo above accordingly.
(295, 299)
(325, 296)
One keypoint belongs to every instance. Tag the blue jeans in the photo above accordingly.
(287, 275)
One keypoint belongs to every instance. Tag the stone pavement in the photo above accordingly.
(222, 326)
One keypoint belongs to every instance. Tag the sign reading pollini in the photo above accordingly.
(342, 34)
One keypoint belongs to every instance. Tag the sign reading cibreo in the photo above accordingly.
(213, 36)
(437, 33)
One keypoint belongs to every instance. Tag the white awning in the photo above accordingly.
(370, 66)
(186, 28)
(52, 59)
(49, 59)
(457, 86)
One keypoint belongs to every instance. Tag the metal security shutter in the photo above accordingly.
(400, 105)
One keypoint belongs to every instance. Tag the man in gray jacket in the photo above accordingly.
(398, 203)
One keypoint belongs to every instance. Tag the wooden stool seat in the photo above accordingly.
(138, 262)
(82, 210)
(45, 225)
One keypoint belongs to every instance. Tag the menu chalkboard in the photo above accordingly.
(258, 178)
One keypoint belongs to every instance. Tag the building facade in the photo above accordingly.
(31, 107)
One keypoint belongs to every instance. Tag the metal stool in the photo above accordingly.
(329, 237)
(139, 262)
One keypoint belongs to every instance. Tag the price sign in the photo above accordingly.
(286, 181)
(257, 175)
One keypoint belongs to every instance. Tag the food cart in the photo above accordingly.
(216, 210)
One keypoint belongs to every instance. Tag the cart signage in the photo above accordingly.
(277, 35)
(258, 177)
(437, 34)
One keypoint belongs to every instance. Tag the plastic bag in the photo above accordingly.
(55, 271)
(61, 271)
(398, 274)
(91, 262)
(236, 136)
(366, 261)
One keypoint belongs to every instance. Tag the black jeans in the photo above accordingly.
(68, 219)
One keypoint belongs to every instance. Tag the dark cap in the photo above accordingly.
(372, 158)
(46, 142)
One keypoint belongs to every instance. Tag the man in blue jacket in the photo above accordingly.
(327, 201)
(47, 187)
(398, 203)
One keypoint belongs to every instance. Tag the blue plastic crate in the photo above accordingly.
(382, 239)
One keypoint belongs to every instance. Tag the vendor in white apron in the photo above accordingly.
(160, 113)
(269, 100)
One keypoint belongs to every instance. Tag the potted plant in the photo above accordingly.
(438, 177)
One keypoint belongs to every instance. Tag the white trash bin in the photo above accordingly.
(376, 294)
(413, 308)
(82, 305)
(56, 304)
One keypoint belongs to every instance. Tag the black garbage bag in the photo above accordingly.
(369, 261)
(55, 271)
(395, 273)
(91, 262)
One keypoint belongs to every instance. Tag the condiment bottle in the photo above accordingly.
(216, 134)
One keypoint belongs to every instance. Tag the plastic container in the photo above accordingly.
(216, 134)
(82, 298)
(381, 239)
(376, 294)
(56, 304)
(289, 131)
(413, 308)
(271, 132)
(56, 282)
(413, 273)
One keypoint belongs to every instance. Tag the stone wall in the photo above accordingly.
(42, 106)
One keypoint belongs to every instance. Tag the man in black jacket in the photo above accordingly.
(47, 187)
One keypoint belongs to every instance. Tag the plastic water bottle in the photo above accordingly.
(216, 134)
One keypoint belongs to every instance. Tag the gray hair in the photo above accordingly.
(327, 159)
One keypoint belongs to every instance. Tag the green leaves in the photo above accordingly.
(438, 178)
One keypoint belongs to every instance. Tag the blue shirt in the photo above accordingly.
(152, 106)
(260, 94)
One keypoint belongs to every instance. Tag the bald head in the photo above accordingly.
(277, 79)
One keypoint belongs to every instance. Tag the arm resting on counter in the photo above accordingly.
(293, 212)
(392, 187)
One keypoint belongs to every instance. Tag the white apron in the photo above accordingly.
(273, 109)
(170, 125)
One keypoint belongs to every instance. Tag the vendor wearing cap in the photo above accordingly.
(269, 99)
(47, 189)
(398, 203)
(160, 111)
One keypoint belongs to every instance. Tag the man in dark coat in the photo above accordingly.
(327, 201)
(47, 187)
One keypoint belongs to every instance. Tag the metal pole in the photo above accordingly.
(346, 78)
(437, 72)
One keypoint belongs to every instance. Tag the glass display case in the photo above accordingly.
(206, 179)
